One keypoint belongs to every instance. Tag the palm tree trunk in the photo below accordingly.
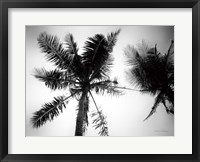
(81, 119)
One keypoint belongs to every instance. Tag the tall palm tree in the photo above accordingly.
(153, 73)
(80, 74)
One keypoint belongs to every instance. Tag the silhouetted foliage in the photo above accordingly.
(80, 74)
(153, 73)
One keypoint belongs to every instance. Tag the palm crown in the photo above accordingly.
(153, 73)
(80, 74)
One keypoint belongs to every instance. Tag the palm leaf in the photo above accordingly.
(112, 39)
(104, 71)
(54, 79)
(132, 56)
(95, 47)
(100, 123)
(71, 44)
(158, 100)
(48, 112)
(76, 60)
(168, 61)
(97, 54)
(53, 49)
(170, 52)
(169, 109)
(100, 120)
(106, 86)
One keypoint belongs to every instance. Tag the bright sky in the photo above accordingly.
(124, 113)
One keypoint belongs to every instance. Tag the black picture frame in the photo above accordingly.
(6, 4)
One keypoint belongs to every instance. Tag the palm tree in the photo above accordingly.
(80, 74)
(153, 73)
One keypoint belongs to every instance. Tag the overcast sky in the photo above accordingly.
(125, 114)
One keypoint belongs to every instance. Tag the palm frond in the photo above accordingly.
(153, 51)
(64, 59)
(76, 60)
(168, 60)
(158, 100)
(132, 56)
(100, 123)
(169, 109)
(53, 48)
(100, 120)
(112, 39)
(106, 86)
(104, 71)
(78, 68)
(170, 52)
(143, 48)
(71, 44)
(97, 54)
(95, 47)
(48, 112)
(54, 79)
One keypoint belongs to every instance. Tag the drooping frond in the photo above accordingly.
(100, 123)
(48, 112)
(54, 79)
(106, 86)
(169, 109)
(158, 100)
(100, 120)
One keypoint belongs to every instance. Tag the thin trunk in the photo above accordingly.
(81, 120)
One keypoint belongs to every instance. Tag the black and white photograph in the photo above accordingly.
(99, 80)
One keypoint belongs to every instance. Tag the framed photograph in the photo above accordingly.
(99, 81)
